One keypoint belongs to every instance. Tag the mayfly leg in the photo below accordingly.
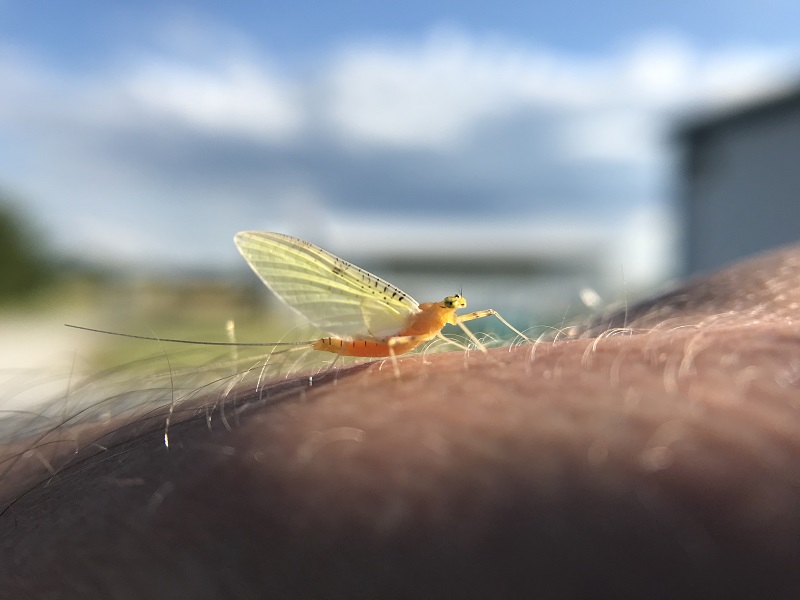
(480, 314)
(402, 339)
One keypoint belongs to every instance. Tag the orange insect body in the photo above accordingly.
(423, 326)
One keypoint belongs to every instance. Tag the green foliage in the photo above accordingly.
(23, 268)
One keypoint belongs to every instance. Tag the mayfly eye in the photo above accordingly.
(453, 302)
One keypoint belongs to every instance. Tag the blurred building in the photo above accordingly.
(530, 272)
(742, 182)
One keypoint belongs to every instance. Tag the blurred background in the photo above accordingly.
(538, 157)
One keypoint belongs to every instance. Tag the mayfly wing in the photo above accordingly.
(335, 295)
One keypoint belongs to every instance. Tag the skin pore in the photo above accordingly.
(653, 452)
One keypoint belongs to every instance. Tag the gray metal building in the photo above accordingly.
(742, 182)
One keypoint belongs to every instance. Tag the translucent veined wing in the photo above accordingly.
(335, 295)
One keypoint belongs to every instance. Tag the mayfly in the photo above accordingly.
(363, 314)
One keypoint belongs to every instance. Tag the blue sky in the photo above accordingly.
(83, 30)
(150, 131)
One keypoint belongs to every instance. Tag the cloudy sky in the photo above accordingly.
(151, 131)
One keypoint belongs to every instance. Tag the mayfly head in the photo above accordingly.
(454, 302)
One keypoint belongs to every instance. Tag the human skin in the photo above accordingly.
(651, 453)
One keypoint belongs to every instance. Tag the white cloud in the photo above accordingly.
(433, 94)
(236, 98)
(418, 96)
(430, 94)
(615, 135)
(447, 123)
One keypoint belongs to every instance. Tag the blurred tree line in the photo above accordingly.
(24, 267)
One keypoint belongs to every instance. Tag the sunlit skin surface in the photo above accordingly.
(658, 461)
